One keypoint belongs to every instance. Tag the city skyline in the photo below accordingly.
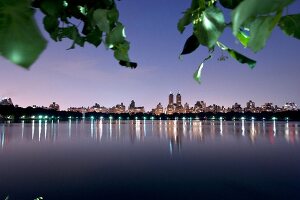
(87, 75)
(172, 106)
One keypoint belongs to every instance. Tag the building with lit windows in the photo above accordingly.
(170, 108)
(158, 110)
(199, 107)
(290, 106)
(118, 109)
(132, 109)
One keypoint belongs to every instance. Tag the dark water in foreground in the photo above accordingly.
(150, 160)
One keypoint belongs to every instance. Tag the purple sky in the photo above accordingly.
(84, 76)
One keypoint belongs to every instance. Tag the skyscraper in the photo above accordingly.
(171, 98)
(178, 99)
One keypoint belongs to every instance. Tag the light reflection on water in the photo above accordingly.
(175, 131)
(150, 159)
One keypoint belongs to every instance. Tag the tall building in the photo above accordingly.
(171, 99)
(131, 105)
(178, 99)
(171, 107)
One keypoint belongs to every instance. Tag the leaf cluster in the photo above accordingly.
(252, 22)
(81, 21)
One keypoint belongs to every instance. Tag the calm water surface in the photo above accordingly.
(140, 159)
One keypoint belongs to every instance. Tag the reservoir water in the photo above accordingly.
(144, 159)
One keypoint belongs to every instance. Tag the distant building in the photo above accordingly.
(80, 109)
(199, 107)
(158, 110)
(170, 108)
(267, 107)
(214, 108)
(290, 106)
(118, 109)
(132, 109)
(6, 102)
(178, 106)
(54, 106)
(97, 108)
(250, 107)
(237, 108)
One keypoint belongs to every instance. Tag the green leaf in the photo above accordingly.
(51, 25)
(243, 38)
(236, 55)
(231, 4)
(94, 37)
(252, 8)
(197, 74)
(185, 20)
(210, 26)
(290, 24)
(113, 15)
(198, 4)
(72, 33)
(52, 7)
(121, 51)
(116, 36)
(190, 45)
(260, 31)
(21, 40)
(101, 20)
(241, 58)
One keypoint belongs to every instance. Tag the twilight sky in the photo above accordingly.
(84, 76)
